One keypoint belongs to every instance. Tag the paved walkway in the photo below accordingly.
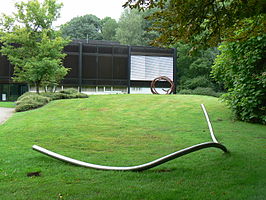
(5, 113)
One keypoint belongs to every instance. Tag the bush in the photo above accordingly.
(241, 67)
(201, 91)
(69, 91)
(72, 93)
(31, 101)
(26, 94)
(200, 81)
(205, 91)
(186, 91)
(65, 94)
(54, 95)
(75, 95)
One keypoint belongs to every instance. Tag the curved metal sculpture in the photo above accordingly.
(145, 166)
(165, 78)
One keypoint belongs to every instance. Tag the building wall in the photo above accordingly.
(98, 66)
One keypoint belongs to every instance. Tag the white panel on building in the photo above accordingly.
(147, 68)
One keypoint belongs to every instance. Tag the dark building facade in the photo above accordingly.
(102, 66)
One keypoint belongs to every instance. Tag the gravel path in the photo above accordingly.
(5, 113)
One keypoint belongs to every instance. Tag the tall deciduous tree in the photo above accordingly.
(201, 22)
(84, 27)
(109, 27)
(241, 67)
(194, 71)
(130, 28)
(134, 28)
(31, 45)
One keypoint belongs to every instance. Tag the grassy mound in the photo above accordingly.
(125, 130)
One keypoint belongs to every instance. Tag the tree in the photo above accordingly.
(149, 35)
(31, 45)
(241, 67)
(204, 22)
(238, 27)
(194, 70)
(109, 27)
(130, 28)
(134, 28)
(84, 27)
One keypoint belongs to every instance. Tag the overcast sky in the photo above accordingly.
(74, 8)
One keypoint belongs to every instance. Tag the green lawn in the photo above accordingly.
(124, 130)
(7, 104)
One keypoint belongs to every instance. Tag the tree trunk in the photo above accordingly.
(38, 88)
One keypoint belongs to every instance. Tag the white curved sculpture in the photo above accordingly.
(145, 166)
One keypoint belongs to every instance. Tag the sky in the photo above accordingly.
(74, 8)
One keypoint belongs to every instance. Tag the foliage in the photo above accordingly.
(130, 28)
(199, 81)
(69, 91)
(64, 95)
(194, 69)
(26, 94)
(134, 28)
(149, 34)
(241, 67)
(109, 27)
(83, 27)
(206, 91)
(53, 95)
(240, 26)
(117, 130)
(29, 101)
(31, 45)
(203, 23)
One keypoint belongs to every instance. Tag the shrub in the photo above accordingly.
(69, 91)
(205, 91)
(75, 95)
(241, 67)
(72, 93)
(200, 81)
(25, 95)
(65, 94)
(54, 95)
(31, 101)
(185, 91)
(201, 91)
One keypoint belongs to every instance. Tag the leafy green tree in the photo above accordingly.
(149, 34)
(241, 67)
(31, 45)
(204, 23)
(109, 27)
(239, 26)
(134, 27)
(84, 27)
(130, 28)
(194, 70)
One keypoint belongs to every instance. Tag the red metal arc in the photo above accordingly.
(162, 78)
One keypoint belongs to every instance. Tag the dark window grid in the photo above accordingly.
(101, 54)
